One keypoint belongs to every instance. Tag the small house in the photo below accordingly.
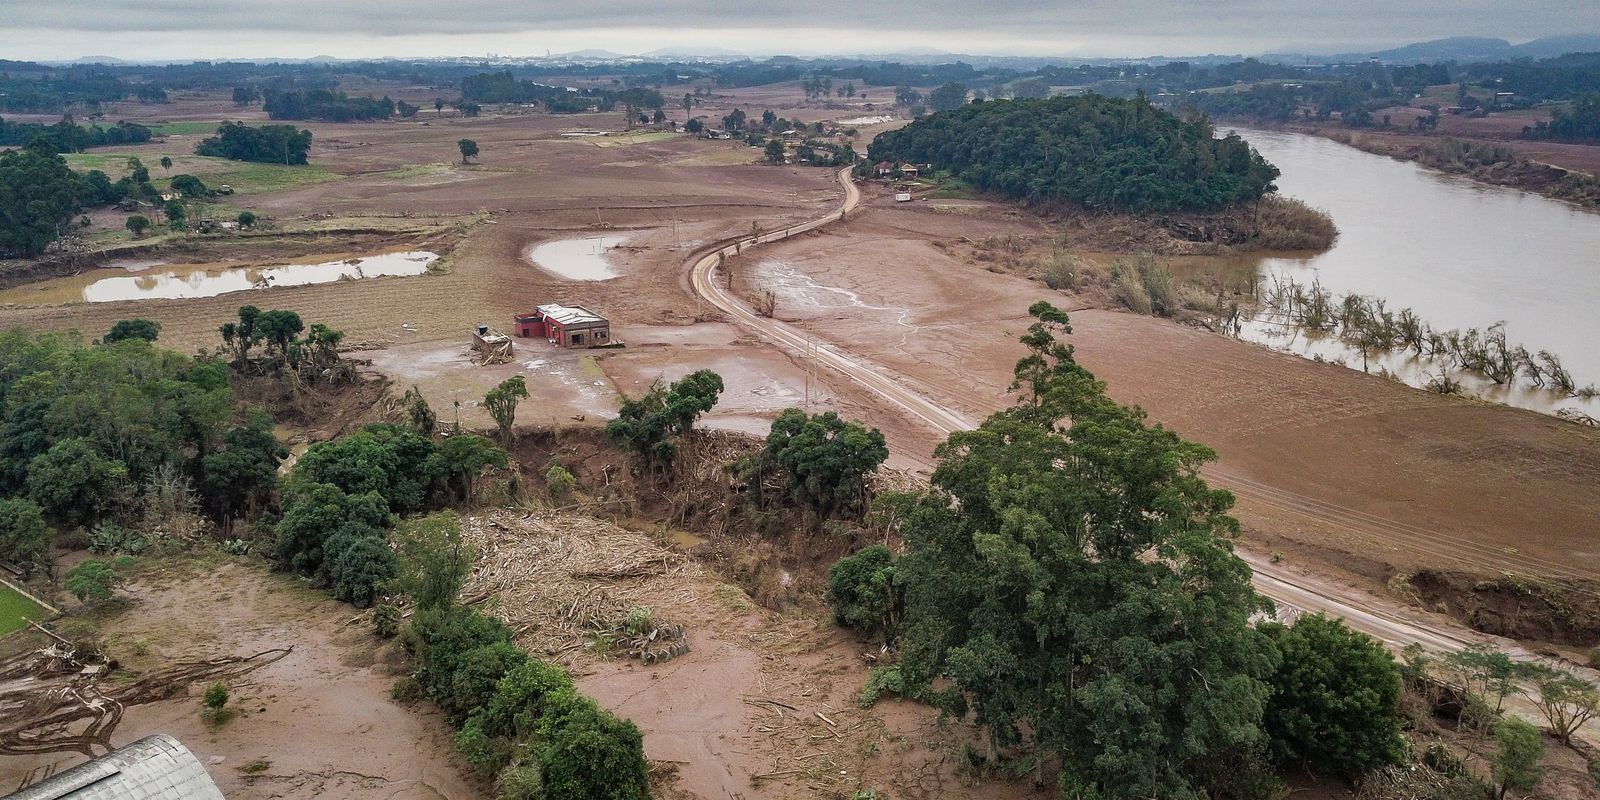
(883, 169)
(909, 170)
(565, 326)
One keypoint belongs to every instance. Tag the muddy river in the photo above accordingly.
(1459, 253)
(144, 280)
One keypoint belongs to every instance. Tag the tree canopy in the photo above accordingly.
(1098, 152)
(268, 144)
(647, 424)
(1070, 580)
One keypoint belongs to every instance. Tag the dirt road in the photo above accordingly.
(1291, 590)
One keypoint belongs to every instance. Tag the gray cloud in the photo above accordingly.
(767, 25)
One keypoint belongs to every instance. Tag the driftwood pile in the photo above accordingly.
(55, 699)
(563, 580)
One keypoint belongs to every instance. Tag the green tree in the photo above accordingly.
(1518, 748)
(92, 581)
(438, 106)
(1071, 577)
(863, 593)
(137, 224)
(520, 698)
(1565, 700)
(1487, 674)
(433, 559)
(588, 754)
(189, 186)
(314, 514)
(462, 458)
(133, 329)
(469, 149)
(39, 198)
(390, 461)
(694, 125)
(74, 483)
(1335, 699)
(216, 697)
(247, 219)
(648, 423)
(166, 163)
(775, 152)
(827, 459)
(24, 536)
(359, 565)
(948, 97)
(278, 329)
(502, 403)
(240, 336)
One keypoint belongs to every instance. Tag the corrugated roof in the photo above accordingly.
(569, 315)
(156, 767)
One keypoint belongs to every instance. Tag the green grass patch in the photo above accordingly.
(413, 171)
(951, 188)
(16, 609)
(187, 128)
(246, 177)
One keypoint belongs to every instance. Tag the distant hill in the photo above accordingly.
(1458, 48)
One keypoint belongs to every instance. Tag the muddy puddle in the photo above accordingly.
(581, 259)
(154, 281)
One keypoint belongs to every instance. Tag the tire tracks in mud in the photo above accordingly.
(1304, 593)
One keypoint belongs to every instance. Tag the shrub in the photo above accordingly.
(1128, 289)
(108, 538)
(24, 536)
(216, 696)
(559, 482)
(73, 483)
(487, 754)
(1335, 698)
(826, 457)
(386, 620)
(1518, 748)
(588, 754)
(133, 329)
(882, 679)
(862, 591)
(520, 781)
(520, 699)
(92, 581)
(359, 566)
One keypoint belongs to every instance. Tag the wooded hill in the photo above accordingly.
(1099, 152)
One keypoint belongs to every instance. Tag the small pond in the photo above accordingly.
(582, 259)
(169, 282)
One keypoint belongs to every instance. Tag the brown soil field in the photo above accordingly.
(317, 722)
(1368, 474)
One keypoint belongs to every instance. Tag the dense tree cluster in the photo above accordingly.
(824, 460)
(1099, 152)
(56, 90)
(67, 136)
(325, 105)
(113, 432)
(1069, 585)
(502, 87)
(39, 197)
(268, 144)
(1579, 122)
(648, 424)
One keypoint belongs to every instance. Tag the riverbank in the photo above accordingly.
(1565, 172)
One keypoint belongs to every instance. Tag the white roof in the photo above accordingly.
(569, 315)
(153, 768)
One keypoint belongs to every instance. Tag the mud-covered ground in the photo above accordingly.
(318, 722)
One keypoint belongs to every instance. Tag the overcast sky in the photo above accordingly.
(185, 29)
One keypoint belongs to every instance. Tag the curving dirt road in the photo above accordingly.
(1285, 586)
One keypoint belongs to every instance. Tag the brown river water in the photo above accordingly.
(1459, 253)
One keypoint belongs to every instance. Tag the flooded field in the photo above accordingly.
(1461, 255)
(152, 281)
(582, 259)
